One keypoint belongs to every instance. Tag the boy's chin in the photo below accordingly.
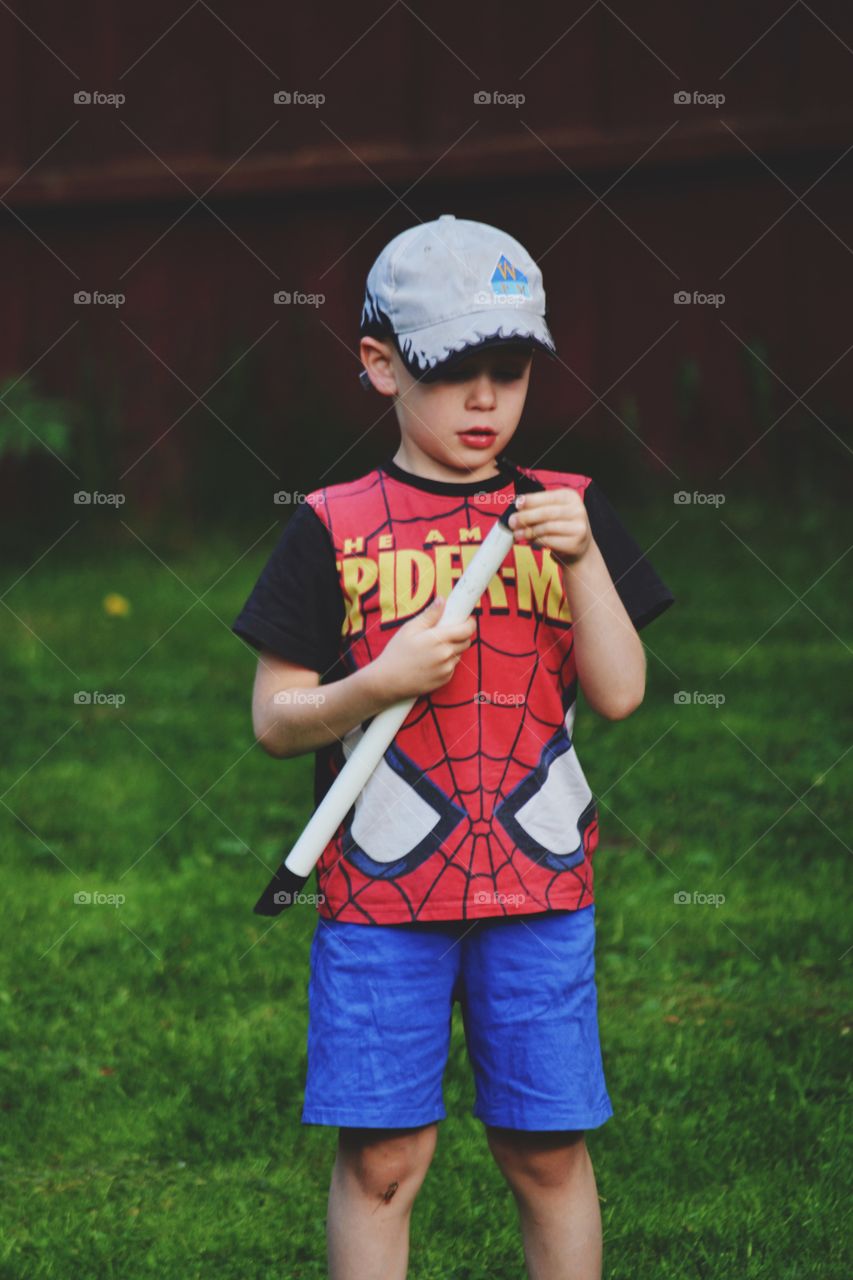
(469, 461)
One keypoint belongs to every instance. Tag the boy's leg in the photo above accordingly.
(377, 1174)
(552, 1179)
(379, 998)
(530, 1012)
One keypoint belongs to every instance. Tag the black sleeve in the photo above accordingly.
(296, 608)
(642, 591)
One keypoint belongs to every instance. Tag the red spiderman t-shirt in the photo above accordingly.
(480, 806)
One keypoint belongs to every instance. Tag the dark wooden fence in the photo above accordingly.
(199, 197)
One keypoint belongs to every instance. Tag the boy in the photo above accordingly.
(464, 869)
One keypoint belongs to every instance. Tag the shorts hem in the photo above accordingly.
(351, 1120)
(592, 1120)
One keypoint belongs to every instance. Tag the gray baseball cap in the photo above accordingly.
(448, 287)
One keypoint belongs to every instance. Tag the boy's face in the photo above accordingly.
(485, 389)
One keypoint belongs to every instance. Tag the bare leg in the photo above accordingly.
(552, 1179)
(376, 1176)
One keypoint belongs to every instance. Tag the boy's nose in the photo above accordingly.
(483, 391)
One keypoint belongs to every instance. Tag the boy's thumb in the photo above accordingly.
(434, 611)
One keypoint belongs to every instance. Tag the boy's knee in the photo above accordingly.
(388, 1165)
(538, 1161)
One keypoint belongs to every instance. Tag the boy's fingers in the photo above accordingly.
(525, 519)
(432, 613)
(546, 527)
(457, 631)
(554, 519)
(551, 512)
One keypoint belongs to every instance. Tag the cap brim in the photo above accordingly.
(456, 339)
(441, 370)
(428, 353)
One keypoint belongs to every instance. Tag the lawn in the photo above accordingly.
(153, 1051)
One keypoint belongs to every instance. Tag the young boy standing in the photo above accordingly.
(464, 869)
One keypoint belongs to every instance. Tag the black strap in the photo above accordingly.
(524, 483)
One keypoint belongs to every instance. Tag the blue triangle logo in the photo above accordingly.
(507, 279)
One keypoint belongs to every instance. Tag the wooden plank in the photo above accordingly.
(699, 145)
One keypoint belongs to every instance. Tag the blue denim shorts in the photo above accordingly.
(380, 1002)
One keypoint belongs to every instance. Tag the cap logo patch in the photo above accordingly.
(509, 280)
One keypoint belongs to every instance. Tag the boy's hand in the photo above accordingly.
(556, 519)
(422, 655)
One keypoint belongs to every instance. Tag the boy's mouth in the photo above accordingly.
(478, 437)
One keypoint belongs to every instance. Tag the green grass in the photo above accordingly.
(154, 1054)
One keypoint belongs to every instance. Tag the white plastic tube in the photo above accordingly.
(382, 729)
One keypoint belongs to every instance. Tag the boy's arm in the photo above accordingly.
(611, 660)
(293, 714)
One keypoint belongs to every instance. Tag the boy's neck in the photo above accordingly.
(421, 464)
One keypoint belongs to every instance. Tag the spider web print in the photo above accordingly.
(479, 806)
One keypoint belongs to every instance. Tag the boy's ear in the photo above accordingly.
(376, 358)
